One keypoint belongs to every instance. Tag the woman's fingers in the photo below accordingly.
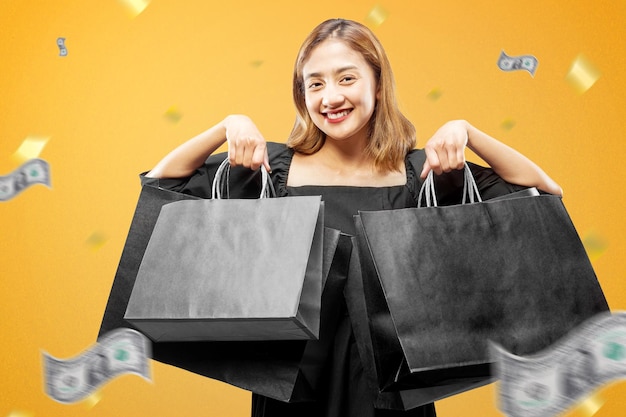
(456, 157)
(246, 145)
(259, 157)
(248, 153)
(445, 151)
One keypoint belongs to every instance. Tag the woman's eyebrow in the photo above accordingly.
(337, 71)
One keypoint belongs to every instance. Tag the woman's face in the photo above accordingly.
(340, 90)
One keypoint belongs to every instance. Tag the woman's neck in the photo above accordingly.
(341, 163)
(348, 154)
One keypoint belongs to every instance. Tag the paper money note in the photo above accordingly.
(61, 45)
(522, 62)
(120, 351)
(548, 383)
(35, 171)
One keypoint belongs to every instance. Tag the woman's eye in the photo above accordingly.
(348, 79)
(314, 85)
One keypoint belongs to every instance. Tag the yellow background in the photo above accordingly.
(103, 108)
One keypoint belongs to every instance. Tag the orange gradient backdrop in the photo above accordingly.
(103, 108)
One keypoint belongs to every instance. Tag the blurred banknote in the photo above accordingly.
(61, 45)
(551, 381)
(514, 63)
(35, 171)
(121, 351)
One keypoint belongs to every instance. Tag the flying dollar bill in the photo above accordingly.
(61, 45)
(120, 351)
(551, 381)
(34, 171)
(522, 62)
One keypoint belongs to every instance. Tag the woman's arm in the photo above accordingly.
(445, 152)
(246, 146)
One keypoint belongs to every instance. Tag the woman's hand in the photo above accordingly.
(246, 145)
(445, 151)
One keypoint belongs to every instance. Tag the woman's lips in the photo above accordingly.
(337, 116)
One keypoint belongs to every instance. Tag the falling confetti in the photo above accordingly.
(507, 124)
(173, 114)
(96, 240)
(595, 245)
(20, 413)
(377, 16)
(582, 74)
(434, 94)
(30, 148)
(135, 7)
(91, 401)
(591, 405)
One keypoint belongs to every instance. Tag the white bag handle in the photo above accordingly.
(469, 189)
(222, 177)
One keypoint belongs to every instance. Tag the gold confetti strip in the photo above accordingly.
(434, 94)
(20, 413)
(135, 7)
(91, 401)
(256, 64)
(582, 74)
(96, 240)
(590, 405)
(30, 148)
(173, 114)
(595, 245)
(377, 16)
(507, 124)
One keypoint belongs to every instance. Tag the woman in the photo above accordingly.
(351, 145)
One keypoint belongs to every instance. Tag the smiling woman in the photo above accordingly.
(350, 47)
(345, 90)
(352, 146)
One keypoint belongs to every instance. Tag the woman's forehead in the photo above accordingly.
(330, 56)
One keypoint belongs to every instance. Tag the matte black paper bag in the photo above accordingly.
(440, 282)
(151, 199)
(394, 400)
(288, 371)
(232, 269)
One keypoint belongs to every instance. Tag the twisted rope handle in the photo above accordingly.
(222, 180)
(470, 189)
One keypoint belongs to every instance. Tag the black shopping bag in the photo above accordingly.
(151, 199)
(232, 269)
(406, 399)
(288, 371)
(440, 282)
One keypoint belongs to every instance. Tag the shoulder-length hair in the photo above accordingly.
(391, 135)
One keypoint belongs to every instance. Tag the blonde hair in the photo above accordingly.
(391, 134)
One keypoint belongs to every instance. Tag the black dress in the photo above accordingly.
(348, 391)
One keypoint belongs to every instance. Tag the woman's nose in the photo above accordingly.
(332, 97)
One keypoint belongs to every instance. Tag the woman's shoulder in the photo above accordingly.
(416, 157)
(280, 156)
(278, 150)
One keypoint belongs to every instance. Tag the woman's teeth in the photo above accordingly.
(337, 115)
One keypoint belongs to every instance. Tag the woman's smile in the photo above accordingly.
(338, 116)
